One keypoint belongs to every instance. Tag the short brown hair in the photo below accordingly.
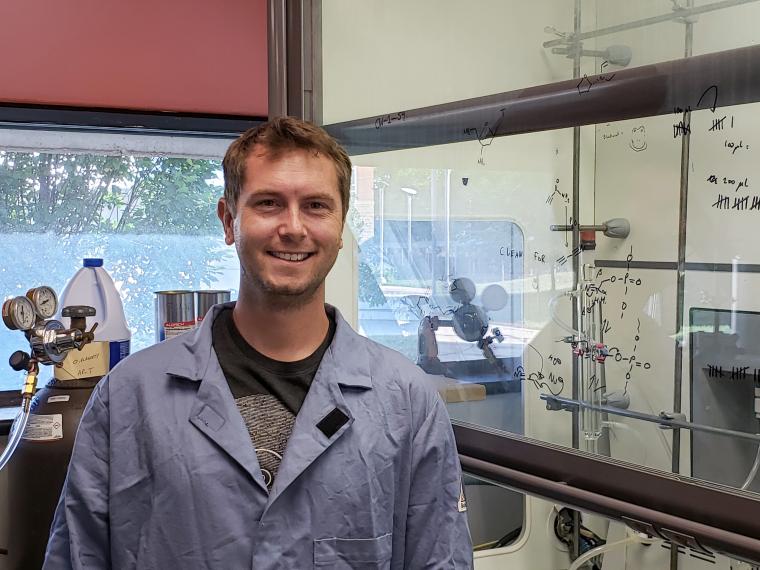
(279, 135)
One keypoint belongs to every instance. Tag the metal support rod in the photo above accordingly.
(571, 404)
(603, 445)
(569, 228)
(575, 545)
(276, 40)
(675, 15)
(681, 272)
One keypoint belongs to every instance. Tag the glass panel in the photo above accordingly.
(441, 287)
(650, 336)
(135, 212)
(494, 514)
(405, 55)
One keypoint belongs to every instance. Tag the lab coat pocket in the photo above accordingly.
(354, 553)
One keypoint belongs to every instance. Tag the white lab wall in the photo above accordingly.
(341, 286)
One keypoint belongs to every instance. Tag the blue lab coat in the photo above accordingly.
(164, 475)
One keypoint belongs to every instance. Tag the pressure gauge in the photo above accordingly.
(19, 314)
(45, 301)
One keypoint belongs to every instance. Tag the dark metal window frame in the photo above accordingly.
(40, 117)
(685, 511)
(695, 514)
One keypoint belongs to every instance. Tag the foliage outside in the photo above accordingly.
(152, 219)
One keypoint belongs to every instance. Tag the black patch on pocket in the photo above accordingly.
(332, 422)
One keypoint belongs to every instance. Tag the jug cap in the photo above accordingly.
(92, 262)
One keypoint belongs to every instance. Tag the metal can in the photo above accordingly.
(204, 300)
(175, 313)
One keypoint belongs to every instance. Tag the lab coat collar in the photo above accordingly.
(192, 354)
(345, 364)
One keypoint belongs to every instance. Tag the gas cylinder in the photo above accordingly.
(38, 468)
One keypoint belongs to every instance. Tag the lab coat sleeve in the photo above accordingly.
(79, 537)
(437, 535)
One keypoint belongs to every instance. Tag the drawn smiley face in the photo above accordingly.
(638, 138)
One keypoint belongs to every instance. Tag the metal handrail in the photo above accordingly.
(664, 419)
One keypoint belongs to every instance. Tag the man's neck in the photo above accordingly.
(282, 332)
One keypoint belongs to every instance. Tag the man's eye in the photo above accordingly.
(318, 205)
(266, 203)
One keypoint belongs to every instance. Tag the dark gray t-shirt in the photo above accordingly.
(268, 393)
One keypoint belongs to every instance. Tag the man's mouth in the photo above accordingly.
(288, 256)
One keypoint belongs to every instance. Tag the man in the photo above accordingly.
(273, 436)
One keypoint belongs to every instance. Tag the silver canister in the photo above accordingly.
(175, 313)
(204, 300)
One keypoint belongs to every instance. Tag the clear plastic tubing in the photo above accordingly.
(753, 471)
(17, 432)
(593, 553)
(590, 385)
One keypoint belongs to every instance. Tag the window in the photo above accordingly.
(136, 209)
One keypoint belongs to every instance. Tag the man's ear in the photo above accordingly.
(227, 219)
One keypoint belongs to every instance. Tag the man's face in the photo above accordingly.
(287, 225)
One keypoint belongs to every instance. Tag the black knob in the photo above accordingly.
(78, 311)
(19, 360)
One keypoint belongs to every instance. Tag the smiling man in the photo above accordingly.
(273, 436)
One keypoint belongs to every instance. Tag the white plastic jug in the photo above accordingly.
(93, 286)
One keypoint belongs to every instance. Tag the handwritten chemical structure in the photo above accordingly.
(564, 258)
(630, 359)
(421, 305)
(627, 280)
(552, 381)
(586, 82)
(485, 134)
(557, 194)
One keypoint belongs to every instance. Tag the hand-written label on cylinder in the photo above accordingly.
(89, 358)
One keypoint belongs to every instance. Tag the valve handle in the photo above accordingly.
(78, 311)
(19, 360)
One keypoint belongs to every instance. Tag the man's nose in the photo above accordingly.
(292, 225)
